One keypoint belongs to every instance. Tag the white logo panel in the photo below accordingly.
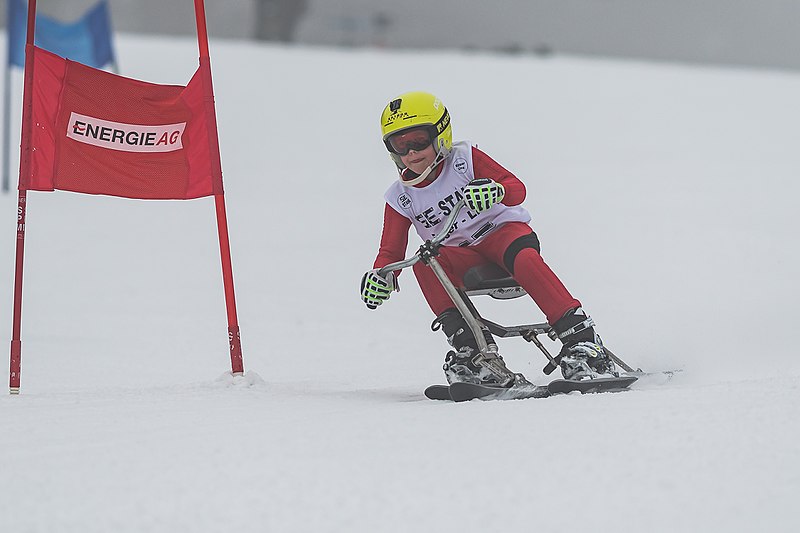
(125, 137)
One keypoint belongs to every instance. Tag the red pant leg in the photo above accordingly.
(541, 283)
(455, 261)
(530, 271)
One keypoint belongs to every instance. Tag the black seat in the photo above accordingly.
(487, 277)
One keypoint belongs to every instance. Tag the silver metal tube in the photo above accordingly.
(451, 290)
(618, 361)
(399, 265)
(449, 222)
(473, 324)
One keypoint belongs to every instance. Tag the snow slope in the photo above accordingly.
(665, 197)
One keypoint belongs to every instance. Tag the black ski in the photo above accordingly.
(438, 392)
(462, 392)
(588, 386)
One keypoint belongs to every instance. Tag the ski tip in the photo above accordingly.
(464, 392)
(438, 392)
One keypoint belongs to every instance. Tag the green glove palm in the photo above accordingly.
(482, 193)
(376, 289)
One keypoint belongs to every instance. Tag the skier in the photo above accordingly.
(434, 174)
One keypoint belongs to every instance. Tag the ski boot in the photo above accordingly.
(466, 363)
(582, 356)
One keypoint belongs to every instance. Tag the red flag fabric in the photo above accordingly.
(99, 133)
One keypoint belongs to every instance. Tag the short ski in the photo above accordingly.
(438, 392)
(462, 392)
(589, 386)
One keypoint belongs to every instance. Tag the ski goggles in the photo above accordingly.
(416, 139)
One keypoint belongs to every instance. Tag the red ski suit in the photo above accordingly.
(530, 271)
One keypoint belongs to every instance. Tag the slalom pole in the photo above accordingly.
(234, 339)
(16, 339)
(24, 171)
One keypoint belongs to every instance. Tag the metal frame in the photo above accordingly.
(428, 252)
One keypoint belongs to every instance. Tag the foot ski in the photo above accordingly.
(438, 392)
(587, 386)
(462, 392)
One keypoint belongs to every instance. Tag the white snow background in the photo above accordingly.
(665, 197)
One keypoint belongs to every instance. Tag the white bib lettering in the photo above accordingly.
(428, 207)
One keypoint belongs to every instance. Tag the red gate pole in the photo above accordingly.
(237, 365)
(16, 339)
(24, 171)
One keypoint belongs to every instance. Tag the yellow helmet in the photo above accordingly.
(412, 110)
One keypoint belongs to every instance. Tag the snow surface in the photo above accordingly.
(665, 197)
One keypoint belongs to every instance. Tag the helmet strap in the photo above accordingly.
(441, 155)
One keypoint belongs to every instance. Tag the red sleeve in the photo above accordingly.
(394, 239)
(486, 167)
